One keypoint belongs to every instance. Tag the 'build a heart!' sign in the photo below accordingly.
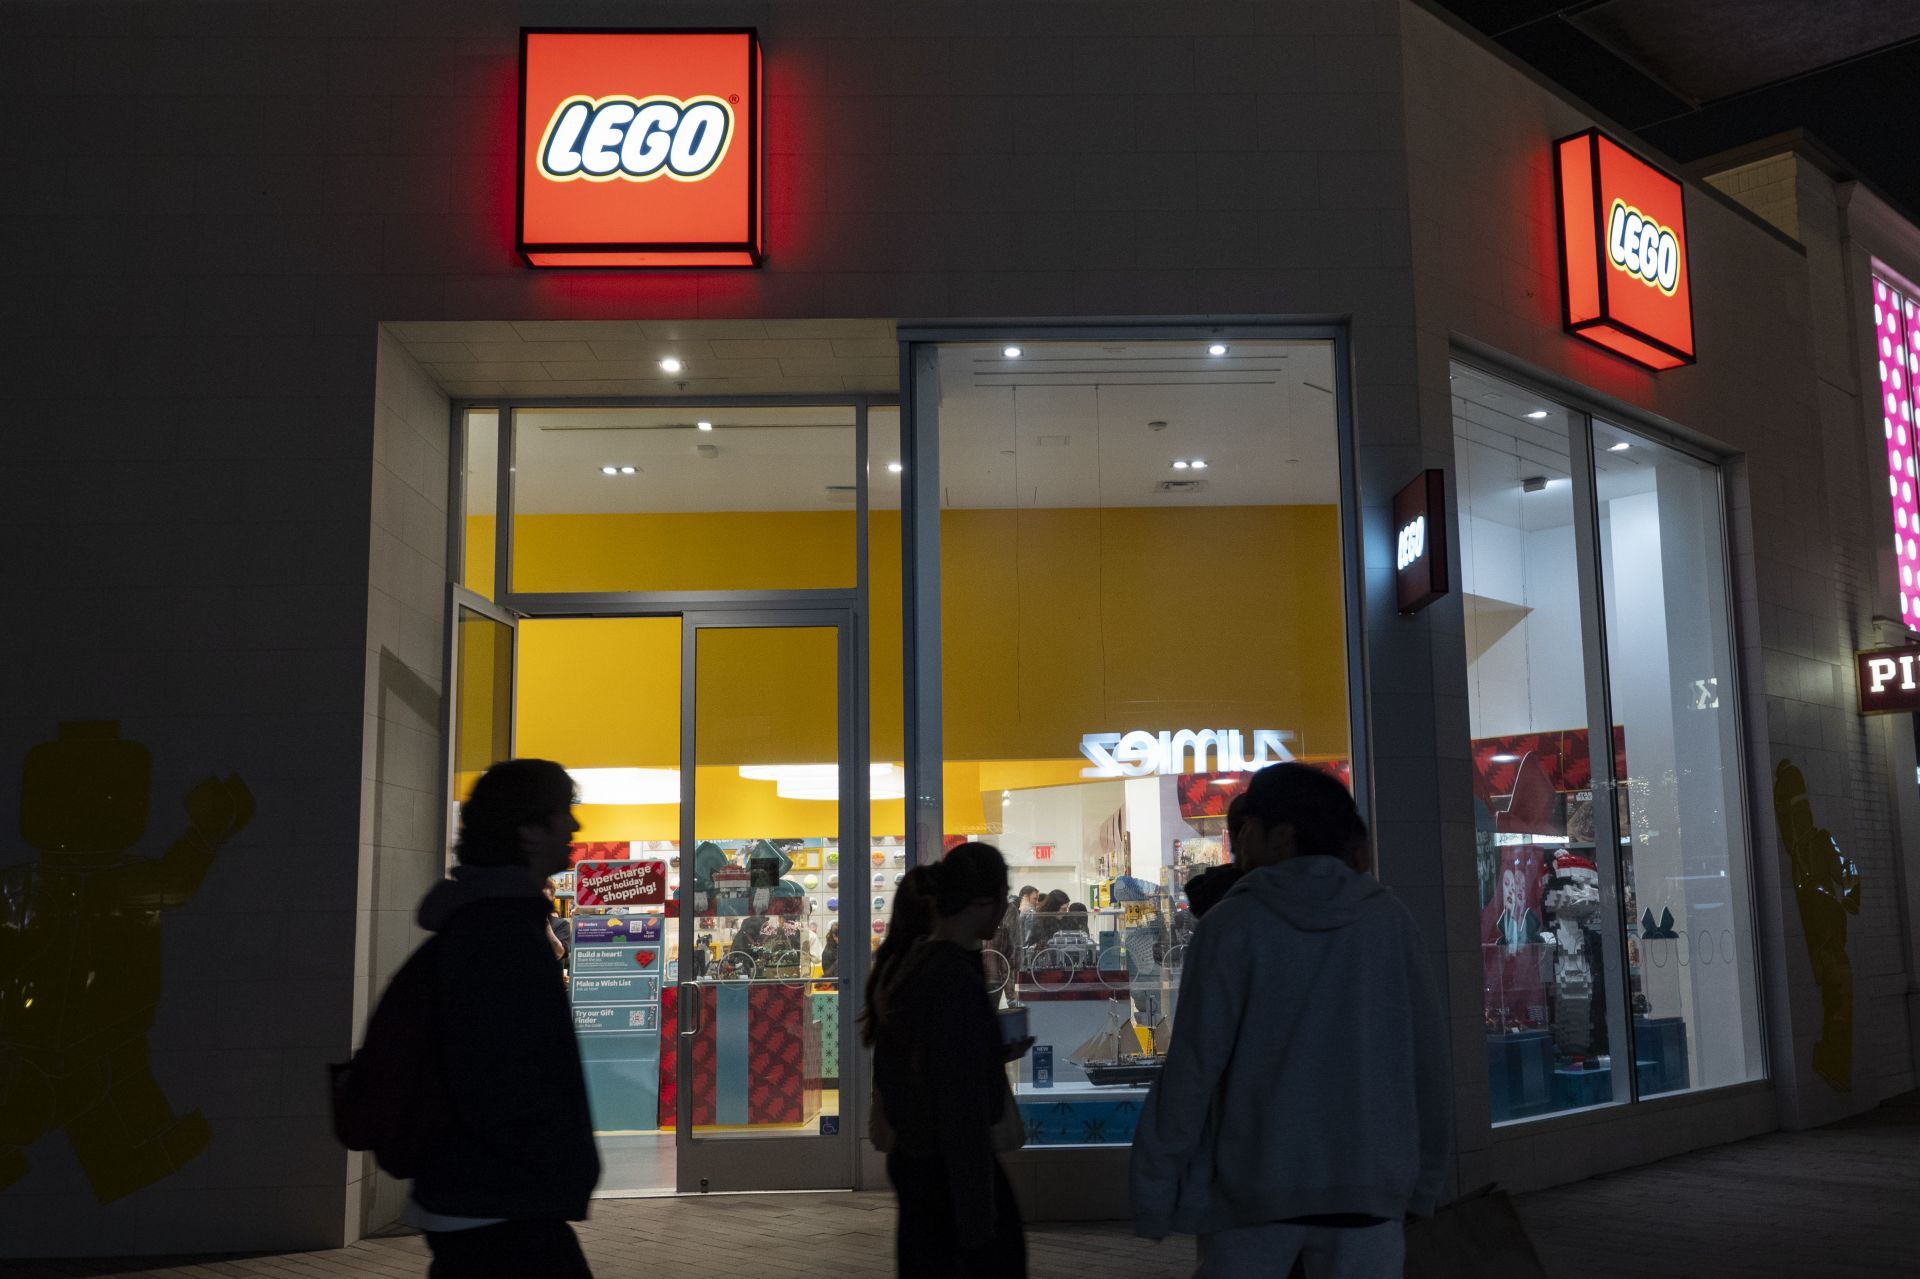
(620, 883)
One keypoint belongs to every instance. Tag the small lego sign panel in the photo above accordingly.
(1420, 541)
(1625, 279)
(640, 148)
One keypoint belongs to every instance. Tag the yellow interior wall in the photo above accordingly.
(1055, 623)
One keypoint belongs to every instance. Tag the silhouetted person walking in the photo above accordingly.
(1304, 1111)
(939, 1067)
(515, 1160)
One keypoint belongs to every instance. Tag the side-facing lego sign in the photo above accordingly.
(640, 148)
(1625, 281)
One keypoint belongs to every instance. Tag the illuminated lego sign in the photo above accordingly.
(1420, 542)
(640, 148)
(1624, 275)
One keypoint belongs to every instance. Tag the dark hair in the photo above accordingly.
(912, 921)
(1236, 813)
(1321, 811)
(1026, 891)
(968, 873)
(1054, 902)
(509, 795)
(1205, 890)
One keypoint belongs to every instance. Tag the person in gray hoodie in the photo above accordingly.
(1305, 1107)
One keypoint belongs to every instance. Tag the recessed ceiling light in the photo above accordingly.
(1504, 759)
(1621, 447)
(1537, 414)
(705, 426)
(1218, 348)
(895, 467)
(1179, 466)
(609, 470)
(1012, 353)
(670, 365)
(1199, 464)
(626, 470)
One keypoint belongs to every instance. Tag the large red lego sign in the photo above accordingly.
(1624, 275)
(640, 148)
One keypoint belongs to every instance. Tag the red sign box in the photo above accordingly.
(1625, 279)
(620, 884)
(640, 148)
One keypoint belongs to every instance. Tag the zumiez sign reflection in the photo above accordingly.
(1143, 754)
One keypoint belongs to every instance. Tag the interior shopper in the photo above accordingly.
(515, 1159)
(939, 1065)
(1304, 1109)
(1205, 890)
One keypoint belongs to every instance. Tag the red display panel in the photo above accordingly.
(1625, 278)
(640, 149)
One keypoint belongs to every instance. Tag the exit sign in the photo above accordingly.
(1043, 852)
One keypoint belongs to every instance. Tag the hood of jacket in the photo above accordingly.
(1314, 894)
(469, 884)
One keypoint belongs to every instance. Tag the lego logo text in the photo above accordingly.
(1642, 247)
(636, 139)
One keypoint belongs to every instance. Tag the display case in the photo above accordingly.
(1101, 989)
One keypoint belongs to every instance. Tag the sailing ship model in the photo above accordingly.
(1113, 1057)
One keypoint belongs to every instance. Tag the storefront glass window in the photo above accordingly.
(1542, 878)
(481, 498)
(1615, 936)
(1694, 992)
(1141, 602)
(647, 499)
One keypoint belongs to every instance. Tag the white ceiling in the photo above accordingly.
(1067, 424)
(475, 359)
(1497, 447)
(1064, 425)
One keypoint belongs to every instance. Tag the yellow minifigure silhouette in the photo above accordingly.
(80, 950)
(1826, 884)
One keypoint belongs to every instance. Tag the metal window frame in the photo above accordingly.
(920, 526)
(783, 1161)
(846, 608)
(1584, 407)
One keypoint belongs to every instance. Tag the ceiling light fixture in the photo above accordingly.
(1179, 466)
(1218, 348)
(1621, 447)
(1505, 758)
(609, 470)
(1533, 484)
(705, 426)
(1012, 353)
(1537, 414)
(1199, 464)
(627, 470)
(670, 365)
(895, 467)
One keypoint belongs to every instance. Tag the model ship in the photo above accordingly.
(1113, 1057)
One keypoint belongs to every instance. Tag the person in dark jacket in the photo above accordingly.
(940, 1069)
(516, 1161)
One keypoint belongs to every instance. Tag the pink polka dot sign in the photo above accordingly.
(1896, 326)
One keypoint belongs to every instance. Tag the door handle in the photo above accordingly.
(691, 1009)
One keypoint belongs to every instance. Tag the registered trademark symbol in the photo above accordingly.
(734, 98)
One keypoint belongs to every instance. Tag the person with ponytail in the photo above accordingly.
(939, 1068)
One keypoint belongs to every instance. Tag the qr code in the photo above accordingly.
(637, 1018)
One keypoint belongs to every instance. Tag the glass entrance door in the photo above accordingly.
(773, 875)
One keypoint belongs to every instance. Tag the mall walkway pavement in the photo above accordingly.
(1839, 1201)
